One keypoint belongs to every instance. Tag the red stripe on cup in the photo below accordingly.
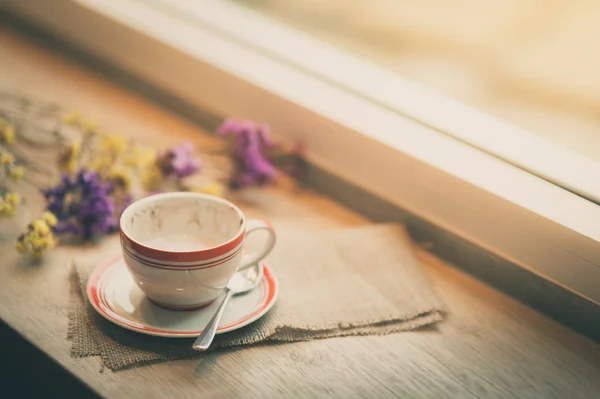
(191, 256)
(182, 267)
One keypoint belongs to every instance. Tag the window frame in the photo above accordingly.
(418, 151)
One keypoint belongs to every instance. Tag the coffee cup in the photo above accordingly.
(182, 248)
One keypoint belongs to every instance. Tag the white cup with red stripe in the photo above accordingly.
(182, 248)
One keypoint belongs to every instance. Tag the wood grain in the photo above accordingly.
(490, 345)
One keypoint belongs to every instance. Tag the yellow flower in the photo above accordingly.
(7, 133)
(120, 177)
(42, 242)
(39, 237)
(21, 246)
(73, 118)
(140, 157)
(40, 227)
(69, 159)
(151, 177)
(90, 125)
(13, 198)
(113, 143)
(214, 188)
(9, 209)
(6, 208)
(101, 163)
(6, 158)
(50, 219)
(17, 172)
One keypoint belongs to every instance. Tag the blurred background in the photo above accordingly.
(533, 63)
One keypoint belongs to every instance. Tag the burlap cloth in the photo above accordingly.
(356, 281)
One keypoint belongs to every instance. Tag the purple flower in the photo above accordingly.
(83, 205)
(179, 161)
(249, 139)
(68, 227)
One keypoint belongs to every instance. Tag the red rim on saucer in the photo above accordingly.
(113, 294)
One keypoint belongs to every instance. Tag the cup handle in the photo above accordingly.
(256, 225)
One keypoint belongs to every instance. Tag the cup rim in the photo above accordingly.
(181, 194)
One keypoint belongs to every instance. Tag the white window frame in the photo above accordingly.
(400, 142)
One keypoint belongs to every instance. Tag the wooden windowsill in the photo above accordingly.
(490, 345)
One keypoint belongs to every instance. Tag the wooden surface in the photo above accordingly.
(489, 346)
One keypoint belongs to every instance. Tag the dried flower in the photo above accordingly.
(69, 159)
(13, 198)
(40, 226)
(101, 163)
(7, 132)
(120, 177)
(50, 219)
(21, 246)
(16, 172)
(111, 148)
(6, 158)
(73, 118)
(8, 161)
(82, 205)
(151, 177)
(140, 157)
(38, 238)
(8, 204)
(251, 166)
(5, 209)
(89, 125)
(113, 143)
(179, 161)
(214, 188)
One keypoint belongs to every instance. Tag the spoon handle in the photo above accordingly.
(208, 334)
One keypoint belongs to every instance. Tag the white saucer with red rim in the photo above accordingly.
(114, 295)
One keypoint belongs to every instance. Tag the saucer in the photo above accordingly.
(113, 293)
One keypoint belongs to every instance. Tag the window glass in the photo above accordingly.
(532, 63)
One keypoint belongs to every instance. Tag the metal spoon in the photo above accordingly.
(242, 281)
